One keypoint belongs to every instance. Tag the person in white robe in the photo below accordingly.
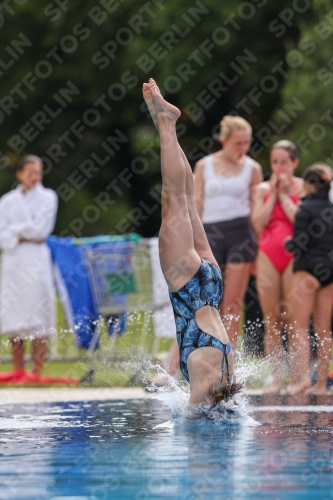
(27, 295)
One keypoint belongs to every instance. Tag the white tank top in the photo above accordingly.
(226, 198)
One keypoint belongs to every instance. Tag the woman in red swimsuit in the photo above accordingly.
(276, 204)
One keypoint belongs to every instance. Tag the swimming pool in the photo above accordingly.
(113, 450)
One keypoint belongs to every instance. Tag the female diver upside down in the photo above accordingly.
(190, 269)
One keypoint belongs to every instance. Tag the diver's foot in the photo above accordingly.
(149, 101)
(293, 389)
(160, 104)
(318, 390)
(274, 388)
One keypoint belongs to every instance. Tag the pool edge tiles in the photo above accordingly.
(60, 394)
(18, 395)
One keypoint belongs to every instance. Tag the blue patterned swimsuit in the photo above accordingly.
(205, 288)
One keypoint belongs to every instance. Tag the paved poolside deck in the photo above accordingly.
(58, 394)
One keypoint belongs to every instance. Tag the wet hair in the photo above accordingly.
(230, 123)
(287, 146)
(226, 393)
(318, 178)
(27, 159)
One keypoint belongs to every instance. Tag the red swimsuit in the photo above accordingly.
(275, 233)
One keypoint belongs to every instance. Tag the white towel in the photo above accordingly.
(164, 321)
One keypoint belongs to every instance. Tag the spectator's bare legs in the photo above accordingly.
(301, 305)
(17, 346)
(322, 323)
(236, 278)
(39, 349)
(270, 296)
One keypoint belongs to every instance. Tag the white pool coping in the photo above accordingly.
(14, 395)
(57, 394)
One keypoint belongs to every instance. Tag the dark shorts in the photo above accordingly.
(232, 241)
(322, 272)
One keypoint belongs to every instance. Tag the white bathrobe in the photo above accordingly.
(27, 296)
(163, 317)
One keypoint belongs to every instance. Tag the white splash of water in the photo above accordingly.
(175, 395)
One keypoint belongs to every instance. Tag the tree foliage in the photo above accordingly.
(71, 92)
(311, 80)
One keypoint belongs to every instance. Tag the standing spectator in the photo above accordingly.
(276, 204)
(224, 183)
(27, 300)
(312, 244)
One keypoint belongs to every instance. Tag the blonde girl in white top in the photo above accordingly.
(224, 184)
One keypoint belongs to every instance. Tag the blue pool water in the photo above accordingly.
(113, 450)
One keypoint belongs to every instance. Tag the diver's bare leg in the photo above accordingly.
(179, 259)
(201, 244)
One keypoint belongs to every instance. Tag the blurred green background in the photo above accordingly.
(71, 76)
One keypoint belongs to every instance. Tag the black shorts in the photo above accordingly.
(232, 241)
(322, 272)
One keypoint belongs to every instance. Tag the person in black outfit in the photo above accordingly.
(312, 290)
